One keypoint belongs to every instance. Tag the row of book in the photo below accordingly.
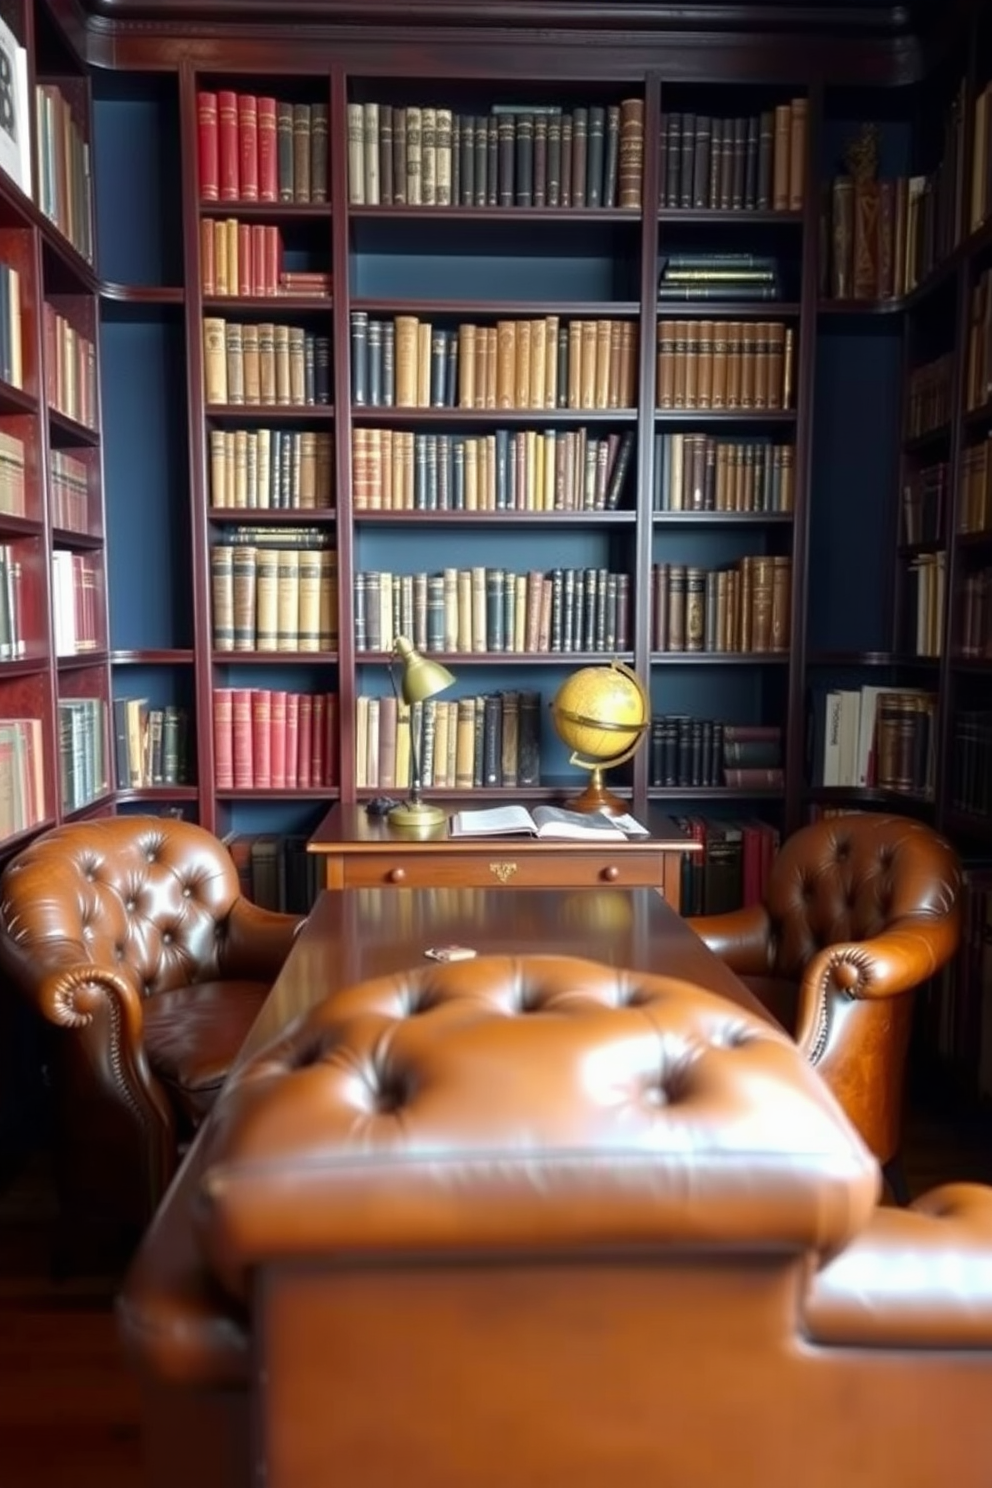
(273, 739)
(541, 363)
(971, 761)
(70, 369)
(923, 609)
(65, 180)
(246, 259)
(724, 364)
(77, 602)
(83, 767)
(70, 487)
(733, 868)
(719, 276)
(11, 356)
(975, 639)
(699, 472)
(277, 872)
(686, 752)
(928, 403)
(516, 156)
(13, 642)
(975, 514)
(873, 737)
(874, 234)
(508, 470)
(12, 489)
(264, 365)
(745, 163)
(747, 608)
(978, 366)
(151, 744)
(981, 159)
(924, 501)
(487, 739)
(487, 610)
(277, 591)
(252, 148)
(22, 775)
(271, 469)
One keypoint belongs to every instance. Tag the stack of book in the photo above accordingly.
(719, 276)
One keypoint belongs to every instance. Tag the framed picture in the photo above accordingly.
(15, 126)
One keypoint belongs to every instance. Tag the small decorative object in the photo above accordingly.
(420, 679)
(861, 155)
(602, 713)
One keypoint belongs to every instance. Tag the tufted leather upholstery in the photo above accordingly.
(540, 1220)
(132, 936)
(859, 910)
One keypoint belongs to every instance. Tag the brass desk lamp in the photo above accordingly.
(419, 680)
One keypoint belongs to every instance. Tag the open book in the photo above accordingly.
(548, 822)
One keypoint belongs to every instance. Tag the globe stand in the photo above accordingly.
(596, 797)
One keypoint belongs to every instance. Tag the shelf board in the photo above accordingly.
(715, 793)
(69, 428)
(11, 526)
(861, 309)
(64, 537)
(869, 659)
(16, 400)
(978, 417)
(981, 665)
(495, 518)
(721, 309)
(501, 309)
(289, 793)
(158, 793)
(974, 539)
(728, 216)
(526, 216)
(16, 840)
(140, 295)
(180, 656)
(23, 666)
(82, 661)
(494, 416)
(860, 793)
(916, 442)
(267, 211)
(265, 304)
(720, 518)
(725, 415)
(919, 549)
(304, 658)
(502, 658)
(97, 806)
(281, 412)
(267, 516)
(720, 658)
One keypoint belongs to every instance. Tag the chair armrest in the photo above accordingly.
(258, 941)
(896, 961)
(741, 939)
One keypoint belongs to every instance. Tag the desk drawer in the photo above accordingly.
(503, 866)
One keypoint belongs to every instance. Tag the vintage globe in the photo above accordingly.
(601, 713)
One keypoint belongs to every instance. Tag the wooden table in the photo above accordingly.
(362, 851)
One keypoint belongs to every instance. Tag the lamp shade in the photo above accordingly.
(420, 678)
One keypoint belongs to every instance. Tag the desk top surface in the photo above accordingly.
(352, 829)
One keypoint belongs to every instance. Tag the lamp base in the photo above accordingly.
(416, 816)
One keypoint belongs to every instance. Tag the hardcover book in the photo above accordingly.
(547, 822)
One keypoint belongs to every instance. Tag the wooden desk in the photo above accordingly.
(362, 851)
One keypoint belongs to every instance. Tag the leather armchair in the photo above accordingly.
(539, 1220)
(131, 936)
(859, 911)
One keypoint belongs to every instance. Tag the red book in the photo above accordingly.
(318, 725)
(246, 273)
(277, 740)
(207, 148)
(223, 739)
(227, 145)
(268, 165)
(244, 765)
(292, 739)
(304, 778)
(332, 767)
(258, 259)
(248, 146)
(261, 738)
(273, 258)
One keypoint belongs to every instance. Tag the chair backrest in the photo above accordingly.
(149, 895)
(851, 877)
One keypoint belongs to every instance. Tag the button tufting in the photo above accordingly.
(129, 905)
(846, 975)
(167, 938)
(187, 892)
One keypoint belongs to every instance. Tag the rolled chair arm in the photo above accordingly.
(742, 939)
(70, 996)
(894, 962)
(258, 941)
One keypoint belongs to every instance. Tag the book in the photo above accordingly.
(547, 822)
(15, 137)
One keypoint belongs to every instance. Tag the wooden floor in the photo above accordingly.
(68, 1406)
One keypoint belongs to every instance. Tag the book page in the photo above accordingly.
(492, 821)
(576, 826)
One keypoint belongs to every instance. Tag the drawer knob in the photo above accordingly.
(396, 875)
(611, 874)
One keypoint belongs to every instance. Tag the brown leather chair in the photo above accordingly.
(132, 937)
(538, 1220)
(859, 910)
